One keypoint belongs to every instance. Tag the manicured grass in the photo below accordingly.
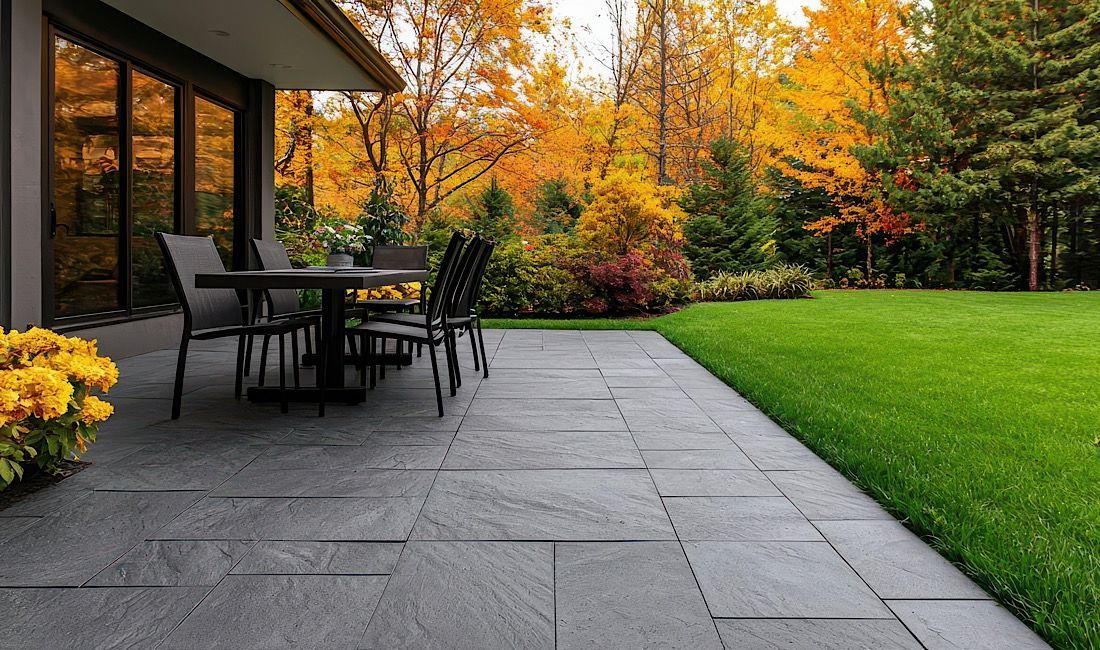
(974, 417)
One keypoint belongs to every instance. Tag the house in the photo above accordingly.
(121, 118)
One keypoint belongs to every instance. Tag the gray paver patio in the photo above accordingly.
(600, 489)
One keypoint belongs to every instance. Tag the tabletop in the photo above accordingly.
(314, 278)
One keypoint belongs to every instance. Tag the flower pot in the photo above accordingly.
(339, 259)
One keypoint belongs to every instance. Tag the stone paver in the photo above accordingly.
(600, 489)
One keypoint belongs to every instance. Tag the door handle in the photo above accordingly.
(53, 221)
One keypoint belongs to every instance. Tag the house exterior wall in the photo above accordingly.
(23, 176)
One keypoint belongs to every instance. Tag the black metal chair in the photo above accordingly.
(461, 304)
(431, 330)
(282, 304)
(214, 313)
(396, 258)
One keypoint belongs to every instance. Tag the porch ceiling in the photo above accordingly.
(293, 44)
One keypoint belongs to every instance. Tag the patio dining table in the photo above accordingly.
(334, 283)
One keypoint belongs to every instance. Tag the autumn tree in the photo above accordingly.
(629, 214)
(461, 113)
(833, 87)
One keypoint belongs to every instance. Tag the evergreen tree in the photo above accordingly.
(493, 213)
(556, 210)
(729, 226)
(793, 205)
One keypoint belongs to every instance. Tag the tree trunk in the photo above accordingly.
(1033, 245)
(1052, 274)
(870, 259)
(829, 255)
(662, 112)
(307, 147)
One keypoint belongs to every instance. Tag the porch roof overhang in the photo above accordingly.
(293, 44)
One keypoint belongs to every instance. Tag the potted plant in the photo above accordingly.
(48, 412)
(341, 240)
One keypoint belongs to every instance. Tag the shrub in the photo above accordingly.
(781, 282)
(48, 411)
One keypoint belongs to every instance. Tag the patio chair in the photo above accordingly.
(431, 330)
(214, 313)
(462, 314)
(396, 258)
(282, 304)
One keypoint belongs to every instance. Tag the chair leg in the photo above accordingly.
(382, 366)
(319, 368)
(238, 384)
(454, 355)
(473, 347)
(263, 358)
(419, 349)
(283, 407)
(177, 389)
(373, 362)
(451, 381)
(294, 359)
(481, 343)
(308, 341)
(248, 355)
(435, 374)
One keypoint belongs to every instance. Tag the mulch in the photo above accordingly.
(35, 479)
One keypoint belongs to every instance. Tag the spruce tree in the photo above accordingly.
(556, 209)
(729, 227)
(493, 212)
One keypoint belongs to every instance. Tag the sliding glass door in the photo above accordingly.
(116, 149)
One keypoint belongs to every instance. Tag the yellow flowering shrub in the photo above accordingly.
(405, 291)
(47, 409)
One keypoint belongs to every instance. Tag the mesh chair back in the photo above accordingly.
(463, 283)
(400, 257)
(466, 301)
(203, 308)
(438, 296)
(272, 257)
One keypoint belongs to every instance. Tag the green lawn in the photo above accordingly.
(974, 417)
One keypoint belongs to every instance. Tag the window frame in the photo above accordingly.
(187, 91)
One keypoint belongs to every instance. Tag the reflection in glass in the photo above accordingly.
(153, 119)
(85, 181)
(214, 165)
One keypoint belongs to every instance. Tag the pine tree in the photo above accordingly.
(729, 228)
(493, 212)
(556, 209)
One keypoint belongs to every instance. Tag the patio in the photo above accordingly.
(600, 489)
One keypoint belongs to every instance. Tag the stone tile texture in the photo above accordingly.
(599, 489)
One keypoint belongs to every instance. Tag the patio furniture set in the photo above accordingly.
(212, 309)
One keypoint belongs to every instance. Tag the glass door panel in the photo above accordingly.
(215, 163)
(86, 202)
(153, 186)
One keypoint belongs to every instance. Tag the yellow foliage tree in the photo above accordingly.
(629, 214)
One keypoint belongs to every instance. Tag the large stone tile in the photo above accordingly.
(895, 562)
(467, 594)
(544, 384)
(780, 580)
(638, 378)
(637, 595)
(826, 495)
(73, 544)
(115, 617)
(746, 422)
(173, 466)
(667, 407)
(758, 519)
(713, 483)
(680, 440)
(318, 519)
(965, 625)
(730, 458)
(11, 526)
(680, 423)
(647, 393)
(262, 482)
(544, 505)
(542, 450)
(173, 564)
(47, 500)
(411, 438)
(390, 422)
(330, 459)
(320, 558)
(815, 634)
(557, 360)
(544, 415)
(281, 612)
(779, 452)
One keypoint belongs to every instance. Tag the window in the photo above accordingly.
(86, 212)
(214, 171)
(119, 156)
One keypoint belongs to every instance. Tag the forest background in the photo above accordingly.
(876, 143)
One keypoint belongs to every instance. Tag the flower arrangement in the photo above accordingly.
(340, 237)
(47, 409)
(404, 291)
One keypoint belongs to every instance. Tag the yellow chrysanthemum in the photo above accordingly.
(42, 392)
(95, 410)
